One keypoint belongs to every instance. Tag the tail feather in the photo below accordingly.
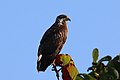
(39, 67)
(43, 63)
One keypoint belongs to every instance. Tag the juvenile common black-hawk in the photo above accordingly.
(52, 42)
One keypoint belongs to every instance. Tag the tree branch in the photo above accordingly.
(56, 71)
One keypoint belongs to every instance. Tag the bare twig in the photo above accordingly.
(57, 71)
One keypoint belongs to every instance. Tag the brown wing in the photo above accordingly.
(50, 45)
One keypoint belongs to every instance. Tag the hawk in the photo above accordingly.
(52, 42)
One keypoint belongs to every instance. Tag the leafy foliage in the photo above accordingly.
(100, 71)
(69, 71)
(110, 70)
(95, 55)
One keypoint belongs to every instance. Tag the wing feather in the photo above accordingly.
(50, 45)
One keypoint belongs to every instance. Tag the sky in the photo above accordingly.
(94, 24)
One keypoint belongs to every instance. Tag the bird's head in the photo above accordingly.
(62, 18)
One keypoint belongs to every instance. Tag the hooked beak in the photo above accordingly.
(68, 19)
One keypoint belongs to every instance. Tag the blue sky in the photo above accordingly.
(95, 23)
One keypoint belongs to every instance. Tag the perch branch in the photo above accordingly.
(56, 71)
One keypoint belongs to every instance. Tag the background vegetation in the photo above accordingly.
(107, 68)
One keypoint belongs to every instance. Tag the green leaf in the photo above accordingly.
(88, 77)
(79, 78)
(100, 68)
(110, 74)
(62, 59)
(106, 58)
(66, 59)
(69, 72)
(95, 55)
(94, 74)
(115, 63)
